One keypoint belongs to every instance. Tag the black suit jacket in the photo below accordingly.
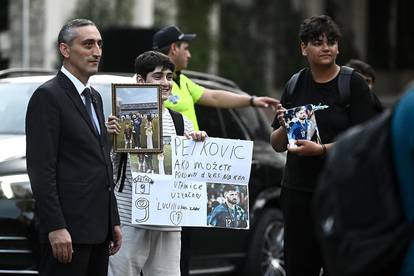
(69, 164)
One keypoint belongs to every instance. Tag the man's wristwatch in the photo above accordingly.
(323, 149)
(252, 100)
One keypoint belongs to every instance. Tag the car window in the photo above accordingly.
(251, 120)
(13, 105)
(15, 97)
(241, 123)
(210, 120)
(233, 126)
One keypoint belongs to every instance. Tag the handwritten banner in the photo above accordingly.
(207, 185)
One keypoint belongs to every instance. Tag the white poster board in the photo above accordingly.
(207, 187)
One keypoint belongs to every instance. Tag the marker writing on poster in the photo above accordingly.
(185, 147)
(187, 185)
(205, 170)
(184, 195)
(170, 206)
(184, 165)
(174, 206)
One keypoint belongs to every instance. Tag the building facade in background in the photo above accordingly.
(254, 43)
(29, 28)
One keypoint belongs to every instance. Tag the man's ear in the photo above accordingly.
(140, 79)
(64, 50)
(173, 48)
(303, 49)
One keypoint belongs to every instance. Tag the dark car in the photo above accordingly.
(214, 251)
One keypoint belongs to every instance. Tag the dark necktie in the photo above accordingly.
(88, 105)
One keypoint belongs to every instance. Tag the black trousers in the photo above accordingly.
(185, 251)
(87, 260)
(302, 252)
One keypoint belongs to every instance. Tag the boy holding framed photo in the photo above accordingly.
(153, 250)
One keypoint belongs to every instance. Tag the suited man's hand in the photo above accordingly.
(61, 243)
(115, 245)
(265, 102)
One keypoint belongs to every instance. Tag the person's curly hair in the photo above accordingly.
(314, 27)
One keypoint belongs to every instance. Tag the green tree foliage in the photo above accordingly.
(288, 57)
(241, 57)
(105, 12)
(247, 31)
(193, 18)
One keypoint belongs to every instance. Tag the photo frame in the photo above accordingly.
(138, 108)
(301, 124)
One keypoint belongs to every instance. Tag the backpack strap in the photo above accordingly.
(344, 84)
(291, 85)
(121, 174)
(178, 122)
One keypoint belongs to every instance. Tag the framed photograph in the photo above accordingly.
(138, 107)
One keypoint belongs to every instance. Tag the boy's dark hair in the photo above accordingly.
(362, 68)
(148, 61)
(66, 34)
(314, 27)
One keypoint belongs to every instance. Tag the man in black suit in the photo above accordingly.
(69, 164)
